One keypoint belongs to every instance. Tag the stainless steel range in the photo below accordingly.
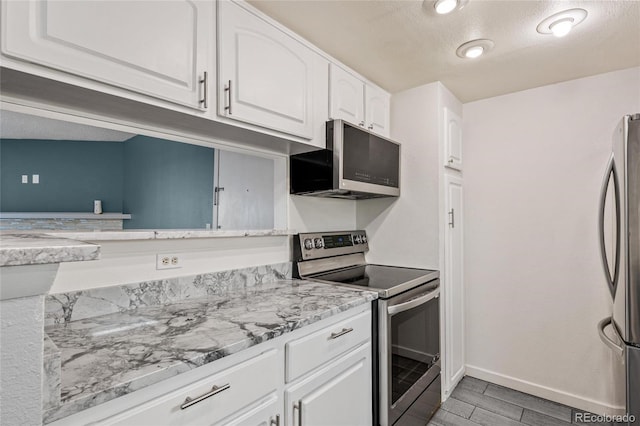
(406, 321)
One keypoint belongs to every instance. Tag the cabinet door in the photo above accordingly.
(346, 96)
(157, 48)
(266, 413)
(377, 110)
(339, 395)
(453, 290)
(265, 75)
(452, 140)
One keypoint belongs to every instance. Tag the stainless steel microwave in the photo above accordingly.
(356, 164)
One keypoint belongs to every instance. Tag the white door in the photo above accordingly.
(266, 77)
(346, 96)
(452, 140)
(377, 110)
(453, 288)
(157, 48)
(244, 196)
(340, 396)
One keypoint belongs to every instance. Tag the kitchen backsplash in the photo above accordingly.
(65, 307)
(61, 224)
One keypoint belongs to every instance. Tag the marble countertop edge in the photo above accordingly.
(18, 249)
(168, 234)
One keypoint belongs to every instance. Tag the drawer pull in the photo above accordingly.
(275, 422)
(340, 333)
(188, 402)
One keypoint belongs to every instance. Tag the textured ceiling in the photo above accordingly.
(399, 44)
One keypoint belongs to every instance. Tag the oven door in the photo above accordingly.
(409, 350)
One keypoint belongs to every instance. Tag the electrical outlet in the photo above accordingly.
(25, 178)
(168, 261)
(35, 179)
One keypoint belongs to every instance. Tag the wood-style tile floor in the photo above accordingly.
(476, 402)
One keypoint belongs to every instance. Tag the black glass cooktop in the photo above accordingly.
(378, 277)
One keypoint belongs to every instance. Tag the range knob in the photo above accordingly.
(357, 239)
(308, 244)
(364, 239)
(318, 243)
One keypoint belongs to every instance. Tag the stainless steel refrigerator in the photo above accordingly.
(619, 227)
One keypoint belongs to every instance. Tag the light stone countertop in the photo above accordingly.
(109, 356)
(153, 234)
(34, 249)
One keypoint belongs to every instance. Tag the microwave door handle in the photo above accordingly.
(396, 309)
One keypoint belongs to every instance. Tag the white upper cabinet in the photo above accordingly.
(452, 140)
(377, 108)
(357, 102)
(156, 48)
(346, 96)
(265, 76)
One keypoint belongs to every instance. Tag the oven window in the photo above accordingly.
(415, 345)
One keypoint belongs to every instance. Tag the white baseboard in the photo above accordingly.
(556, 395)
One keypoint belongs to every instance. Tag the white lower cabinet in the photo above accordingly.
(338, 394)
(209, 400)
(267, 413)
(250, 388)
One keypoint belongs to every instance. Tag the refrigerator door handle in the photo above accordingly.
(612, 280)
(618, 349)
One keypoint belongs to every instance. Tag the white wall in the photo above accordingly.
(311, 214)
(535, 288)
(404, 231)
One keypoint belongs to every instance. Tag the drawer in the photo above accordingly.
(238, 387)
(310, 352)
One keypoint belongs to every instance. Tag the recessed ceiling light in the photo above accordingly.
(560, 24)
(447, 6)
(474, 48)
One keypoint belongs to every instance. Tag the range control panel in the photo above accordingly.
(316, 245)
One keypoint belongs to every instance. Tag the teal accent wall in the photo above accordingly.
(167, 184)
(72, 175)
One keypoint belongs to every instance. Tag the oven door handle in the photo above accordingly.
(396, 309)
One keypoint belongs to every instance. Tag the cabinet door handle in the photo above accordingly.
(205, 88)
(361, 124)
(275, 422)
(227, 89)
(340, 333)
(452, 221)
(370, 127)
(188, 402)
(298, 406)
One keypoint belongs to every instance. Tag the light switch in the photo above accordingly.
(35, 178)
(25, 178)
